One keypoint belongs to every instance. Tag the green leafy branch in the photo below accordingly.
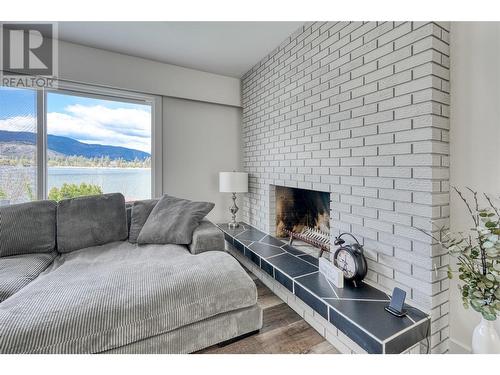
(478, 256)
(73, 190)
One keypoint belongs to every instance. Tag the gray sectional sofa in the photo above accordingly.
(71, 282)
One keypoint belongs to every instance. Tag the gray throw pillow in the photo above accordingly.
(140, 213)
(28, 228)
(128, 209)
(90, 221)
(173, 220)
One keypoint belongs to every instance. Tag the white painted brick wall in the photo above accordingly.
(360, 109)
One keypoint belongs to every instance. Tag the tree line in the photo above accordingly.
(77, 161)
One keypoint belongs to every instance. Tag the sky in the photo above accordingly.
(87, 120)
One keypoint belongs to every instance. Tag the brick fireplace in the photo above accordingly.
(360, 110)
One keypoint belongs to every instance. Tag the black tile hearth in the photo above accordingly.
(266, 267)
(414, 313)
(309, 258)
(272, 241)
(252, 256)
(283, 280)
(232, 231)
(371, 316)
(292, 266)
(355, 333)
(406, 341)
(251, 234)
(357, 312)
(315, 303)
(292, 250)
(265, 250)
(229, 238)
(364, 291)
(239, 246)
(317, 284)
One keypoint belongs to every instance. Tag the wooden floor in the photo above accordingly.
(283, 331)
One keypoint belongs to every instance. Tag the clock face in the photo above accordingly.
(345, 261)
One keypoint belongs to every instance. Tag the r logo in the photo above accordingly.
(27, 49)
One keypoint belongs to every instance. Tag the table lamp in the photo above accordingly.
(233, 182)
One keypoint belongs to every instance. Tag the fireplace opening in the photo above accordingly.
(298, 210)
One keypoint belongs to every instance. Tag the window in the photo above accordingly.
(18, 145)
(105, 144)
(69, 142)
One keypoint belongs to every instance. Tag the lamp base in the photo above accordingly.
(233, 225)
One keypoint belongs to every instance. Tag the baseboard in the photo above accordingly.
(458, 348)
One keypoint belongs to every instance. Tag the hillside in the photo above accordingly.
(16, 143)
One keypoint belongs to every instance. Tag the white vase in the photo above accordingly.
(485, 339)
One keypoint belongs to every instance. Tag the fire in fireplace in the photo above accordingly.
(298, 209)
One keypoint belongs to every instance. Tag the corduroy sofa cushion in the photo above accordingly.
(90, 221)
(17, 271)
(28, 228)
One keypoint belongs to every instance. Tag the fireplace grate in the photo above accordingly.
(313, 237)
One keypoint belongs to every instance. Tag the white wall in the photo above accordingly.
(474, 137)
(95, 66)
(200, 140)
(201, 116)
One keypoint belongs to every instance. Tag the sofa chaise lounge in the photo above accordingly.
(71, 282)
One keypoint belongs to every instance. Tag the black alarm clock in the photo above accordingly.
(350, 260)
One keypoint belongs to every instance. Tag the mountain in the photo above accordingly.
(71, 147)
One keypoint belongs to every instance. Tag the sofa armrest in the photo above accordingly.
(206, 237)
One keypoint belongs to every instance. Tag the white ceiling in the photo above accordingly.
(227, 48)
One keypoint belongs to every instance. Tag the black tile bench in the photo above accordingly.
(357, 312)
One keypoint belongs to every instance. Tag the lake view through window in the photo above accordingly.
(94, 145)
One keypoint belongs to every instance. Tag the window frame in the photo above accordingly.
(97, 92)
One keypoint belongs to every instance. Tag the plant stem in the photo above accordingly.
(467, 204)
(497, 212)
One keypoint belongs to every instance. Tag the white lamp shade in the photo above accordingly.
(233, 182)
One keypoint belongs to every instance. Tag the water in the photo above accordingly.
(133, 183)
